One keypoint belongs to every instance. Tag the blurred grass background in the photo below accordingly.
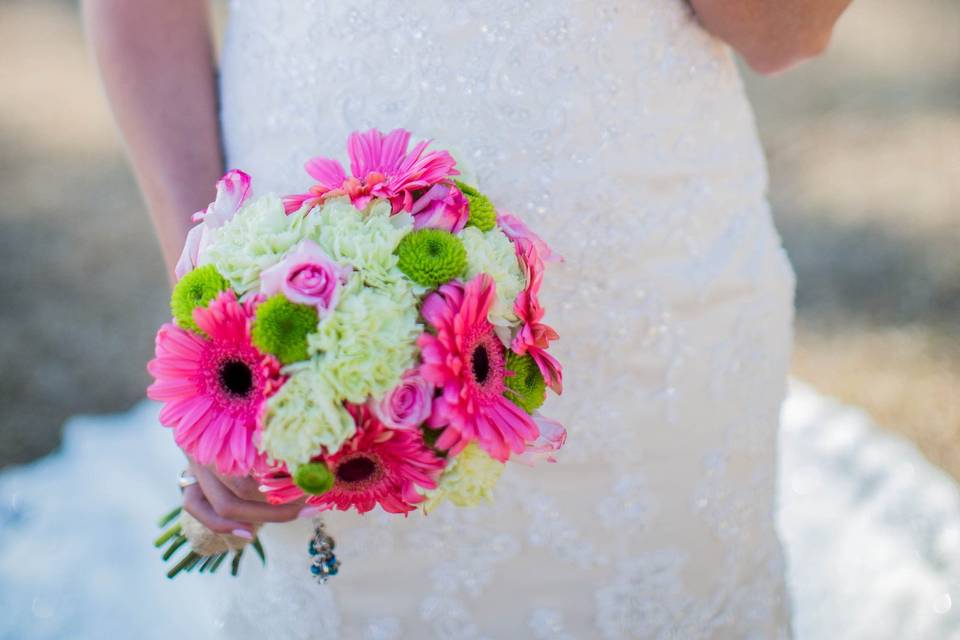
(864, 152)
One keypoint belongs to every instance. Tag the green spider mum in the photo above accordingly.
(195, 289)
(281, 328)
(431, 257)
(483, 215)
(526, 388)
(314, 478)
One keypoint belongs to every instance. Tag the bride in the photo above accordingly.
(620, 131)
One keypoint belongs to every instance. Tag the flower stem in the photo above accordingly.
(180, 541)
(259, 549)
(218, 562)
(166, 535)
(189, 559)
(167, 519)
(235, 565)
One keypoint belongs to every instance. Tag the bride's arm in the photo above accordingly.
(772, 35)
(156, 61)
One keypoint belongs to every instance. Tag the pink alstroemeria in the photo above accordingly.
(443, 207)
(191, 252)
(307, 275)
(514, 228)
(233, 189)
(381, 167)
(552, 437)
(534, 337)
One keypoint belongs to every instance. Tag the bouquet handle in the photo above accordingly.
(207, 549)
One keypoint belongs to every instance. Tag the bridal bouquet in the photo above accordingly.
(375, 341)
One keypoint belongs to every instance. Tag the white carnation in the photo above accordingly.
(256, 238)
(468, 480)
(304, 416)
(366, 240)
(368, 342)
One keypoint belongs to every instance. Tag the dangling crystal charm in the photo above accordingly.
(324, 563)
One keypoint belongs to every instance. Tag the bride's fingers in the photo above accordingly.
(248, 488)
(245, 488)
(230, 506)
(200, 508)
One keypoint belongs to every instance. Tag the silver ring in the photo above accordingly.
(185, 479)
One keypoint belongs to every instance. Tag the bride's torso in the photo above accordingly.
(542, 99)
(619, 131)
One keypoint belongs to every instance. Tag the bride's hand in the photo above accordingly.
(226, 504)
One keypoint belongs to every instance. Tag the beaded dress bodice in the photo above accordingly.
(620, 132)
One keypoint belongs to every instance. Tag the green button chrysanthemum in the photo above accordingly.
(281, 328)
(526, 388)
(483, 215)
(314, 478)
(431, 257)
(195, 289)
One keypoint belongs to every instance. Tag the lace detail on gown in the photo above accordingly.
(619, 131)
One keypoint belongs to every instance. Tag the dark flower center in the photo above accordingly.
(356, 470)
(197, 292)
(530, 380)
(236, 377)
(481, 364)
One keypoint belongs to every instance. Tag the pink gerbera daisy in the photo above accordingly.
(467, 361)
(377, 466)
(535, 337)
(381, 167)
(212, 387)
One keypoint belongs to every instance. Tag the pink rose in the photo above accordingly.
(306, 275)
(443, 206)
(407, 405)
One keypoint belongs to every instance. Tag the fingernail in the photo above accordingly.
(243, 533)
(309, 511)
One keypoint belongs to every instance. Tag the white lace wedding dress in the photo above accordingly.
(620, 131)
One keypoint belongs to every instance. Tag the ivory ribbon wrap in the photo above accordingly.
(204, 541)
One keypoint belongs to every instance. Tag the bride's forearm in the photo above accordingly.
(156, 61)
